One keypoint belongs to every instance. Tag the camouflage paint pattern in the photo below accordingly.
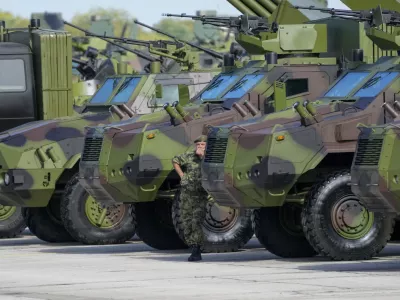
(40, 157)
(193, 197)
(133, 163)
(276, 158)
(375, 169)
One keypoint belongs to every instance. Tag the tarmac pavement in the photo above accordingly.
(32, 269)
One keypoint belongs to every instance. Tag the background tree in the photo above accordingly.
(13, 20)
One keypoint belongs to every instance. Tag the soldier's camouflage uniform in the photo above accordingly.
(193, 197)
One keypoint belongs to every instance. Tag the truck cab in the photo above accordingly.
(35, 75)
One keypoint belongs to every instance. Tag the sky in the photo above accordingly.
(146, 11)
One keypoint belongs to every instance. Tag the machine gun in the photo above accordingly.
(208, 51)
(374, 17)
(137, 52)
(249, 25)
(176, 50)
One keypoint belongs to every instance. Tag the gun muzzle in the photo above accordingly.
(182, 112)
(310, 107)
(390, 110)
(117, 111)
(396, 105)
(175, 117)
(251, 108)
(129, 111)
(300, 110)
(239, 109)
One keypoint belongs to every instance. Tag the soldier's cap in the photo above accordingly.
(201, 138)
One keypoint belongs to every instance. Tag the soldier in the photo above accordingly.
(193, 197)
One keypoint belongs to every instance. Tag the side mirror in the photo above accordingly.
(280, 96)
(159, 91)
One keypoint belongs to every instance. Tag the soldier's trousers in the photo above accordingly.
(193, 214)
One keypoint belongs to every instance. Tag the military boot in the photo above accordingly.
(196, 253)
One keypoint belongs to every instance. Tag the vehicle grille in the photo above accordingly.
(92, 148)
(368, 152)
(216, 148)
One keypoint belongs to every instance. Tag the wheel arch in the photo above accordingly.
(327, 160)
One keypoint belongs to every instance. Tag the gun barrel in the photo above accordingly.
(243, 8)
(208, 51)
(137, 52)
(79, 61)
(260, 10)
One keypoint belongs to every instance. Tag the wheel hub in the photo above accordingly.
(220, 218)
(290, 218)
(105, 218)
(6, 212)
(351, 219)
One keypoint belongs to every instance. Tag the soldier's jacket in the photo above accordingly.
(191, 167)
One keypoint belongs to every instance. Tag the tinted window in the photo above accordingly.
(217, 86)
(12, 75)
(345, 85)
(376, 84)
(125, 90)
(170, 95)
(296, 86)
(243, 86)
(105, 91)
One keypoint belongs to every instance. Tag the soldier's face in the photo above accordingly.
(200, 148)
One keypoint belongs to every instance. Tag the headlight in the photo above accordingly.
(7, 179)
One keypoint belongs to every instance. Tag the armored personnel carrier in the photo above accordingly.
(293, 166)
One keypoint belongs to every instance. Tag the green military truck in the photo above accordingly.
(34, 85)
(293, 167)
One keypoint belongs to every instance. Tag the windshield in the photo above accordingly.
(376, 84)
(345, 85)
(105, 91)
(243, 85)
(125, 90)
(217, 86)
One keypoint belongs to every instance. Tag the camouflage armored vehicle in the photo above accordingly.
(130, 166)
(293, 166)
(44, 164)
(375, 169)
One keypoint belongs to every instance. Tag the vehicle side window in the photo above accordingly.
(12, 75)
(296, 86)
(170, 95)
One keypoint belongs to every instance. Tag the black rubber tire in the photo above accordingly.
(229, 241)
(319, 230)
(45, 223)
(278, 240)
(396, 232)
(12, 226)
(80, 228)
(155, 227)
